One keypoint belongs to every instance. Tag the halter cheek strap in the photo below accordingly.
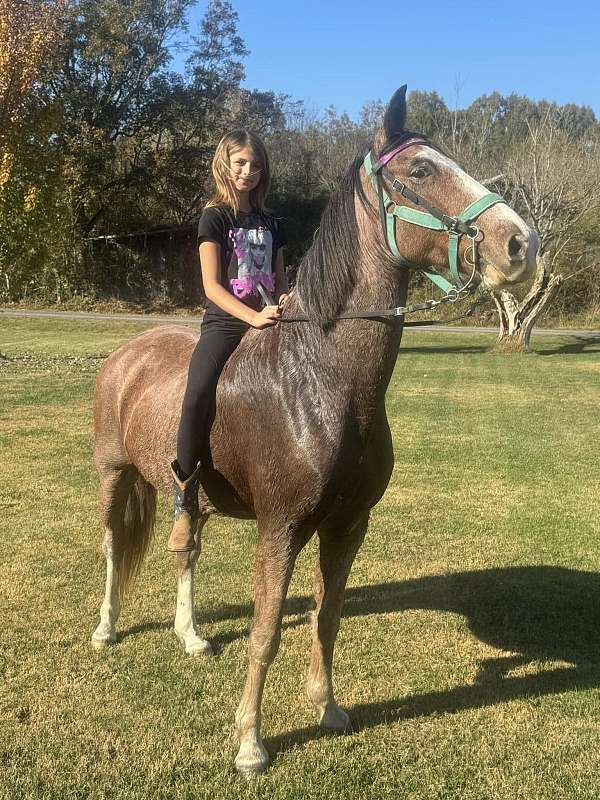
(432, 218)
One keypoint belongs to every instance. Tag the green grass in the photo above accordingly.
(469, 653)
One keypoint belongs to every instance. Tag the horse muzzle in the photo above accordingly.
(516, 264)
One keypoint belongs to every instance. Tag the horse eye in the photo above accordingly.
(420, 172)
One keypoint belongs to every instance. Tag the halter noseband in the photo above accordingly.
(433, 218)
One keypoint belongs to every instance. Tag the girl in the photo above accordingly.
(241, 260)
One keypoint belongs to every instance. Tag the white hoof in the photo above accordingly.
(199, 647)
(196, 645)
(252, 759)
(335, 720)
(102, 640)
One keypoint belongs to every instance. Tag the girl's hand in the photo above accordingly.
(267, 317)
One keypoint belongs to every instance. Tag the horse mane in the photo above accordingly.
(328, 272)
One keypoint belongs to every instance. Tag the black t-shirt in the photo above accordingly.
(249, 243)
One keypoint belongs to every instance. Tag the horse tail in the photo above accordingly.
(136, 531)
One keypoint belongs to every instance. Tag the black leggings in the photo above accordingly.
(217, 342)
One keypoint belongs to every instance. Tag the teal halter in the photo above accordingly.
(433, 218)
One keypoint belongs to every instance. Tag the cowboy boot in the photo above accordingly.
(185, 510)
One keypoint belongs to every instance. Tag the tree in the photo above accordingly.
(216, 62)
(430, 115)
(108, 78)
(191, 114)
(553, 180)
(28, 32)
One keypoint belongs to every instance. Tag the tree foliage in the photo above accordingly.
(28, 31)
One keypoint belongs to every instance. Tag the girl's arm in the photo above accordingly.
(281, 284)
(210, 265)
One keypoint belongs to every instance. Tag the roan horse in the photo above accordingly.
(300, 439)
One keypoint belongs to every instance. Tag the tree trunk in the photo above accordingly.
(518, 318)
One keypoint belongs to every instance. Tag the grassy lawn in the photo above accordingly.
(469, 653)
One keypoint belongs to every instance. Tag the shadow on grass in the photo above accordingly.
(206, 616)
(451, 701)
(535, 613)
(576, 344)
(445, 348)
(586, 345)
(540, 613)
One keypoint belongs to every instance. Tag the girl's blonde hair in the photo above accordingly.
(225, 193)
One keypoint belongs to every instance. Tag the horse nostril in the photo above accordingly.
(517, 247)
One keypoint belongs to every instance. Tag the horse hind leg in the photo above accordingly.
(185, 622)
(338, 547)
(127, 505)
(110, 609)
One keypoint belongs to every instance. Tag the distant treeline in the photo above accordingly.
(105, 151)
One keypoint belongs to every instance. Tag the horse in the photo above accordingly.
(299, 440)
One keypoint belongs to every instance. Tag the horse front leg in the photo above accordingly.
(275, 559)
(338, 547)
(185, 618)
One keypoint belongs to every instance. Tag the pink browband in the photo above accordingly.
(383, 160)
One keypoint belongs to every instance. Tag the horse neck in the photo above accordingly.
(379, 283)
(362, 353)
(368, 348)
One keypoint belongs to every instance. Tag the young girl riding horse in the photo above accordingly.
(241, 258)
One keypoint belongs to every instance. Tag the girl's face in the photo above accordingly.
(244, 169)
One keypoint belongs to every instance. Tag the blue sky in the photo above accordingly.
(347, 53)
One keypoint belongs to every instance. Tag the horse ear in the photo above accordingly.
(395, 116)
(393, 121)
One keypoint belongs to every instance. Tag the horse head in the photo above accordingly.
(436, 214)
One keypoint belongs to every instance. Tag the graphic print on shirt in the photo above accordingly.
(251, 261)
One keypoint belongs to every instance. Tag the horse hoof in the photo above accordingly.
(195, 645)
(199, 647)
(100, 642)
(335, 720)
(252, 760)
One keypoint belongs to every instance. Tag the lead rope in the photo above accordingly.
(399, 311)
